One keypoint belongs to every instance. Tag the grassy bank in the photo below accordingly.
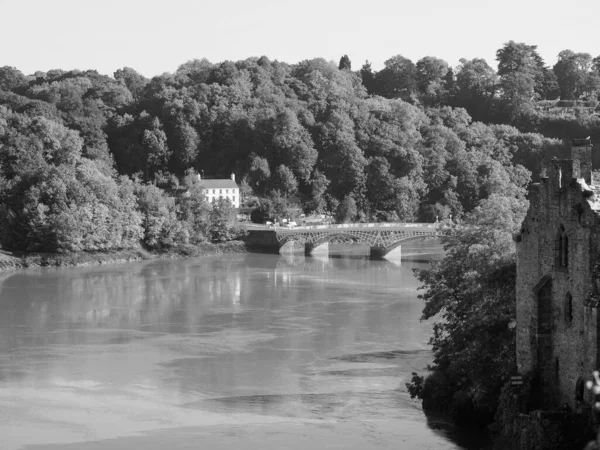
(14, 261)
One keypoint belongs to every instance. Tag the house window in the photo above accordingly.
(220, 191)
(227, 191)
(213, 191)
(561, 248)
(233, 198)
(568, 309)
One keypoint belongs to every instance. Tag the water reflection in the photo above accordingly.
(88, 354)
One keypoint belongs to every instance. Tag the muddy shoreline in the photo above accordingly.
(21, 260)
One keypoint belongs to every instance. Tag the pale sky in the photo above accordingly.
(157, 36)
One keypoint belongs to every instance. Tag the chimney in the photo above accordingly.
(233, 176)
(581, 150)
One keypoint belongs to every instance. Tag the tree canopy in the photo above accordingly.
(412, 141)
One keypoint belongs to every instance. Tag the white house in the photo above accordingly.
(221, 188)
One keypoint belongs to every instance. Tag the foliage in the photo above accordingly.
(195, 213)
(345, 63)
(162, 229)
(54, 199)
(223, 221)
(397, 79)
(274, 208)
(475, 88)
(411, 142)
(471, 294)
(521, 70)
(346, 210)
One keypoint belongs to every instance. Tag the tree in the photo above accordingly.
(134, 81)
(154, 141)
(345, 63)
(346, 210)
(11, 78)
(342, 160)
(222, 221)
(520, 68)
(382, 187)
(573, 73)
(162, 229)
(397, 79)
(471, 294)
(547, 85)
(430, 79)
(368, 77)
(195, 212)
(259, 172)
(197, 71)
(294, 146)
(285, 181)
(53, 198)
(186, 149)
(476, 84)
(315, 200)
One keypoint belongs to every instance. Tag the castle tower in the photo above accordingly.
(558, 247)
(581, 150)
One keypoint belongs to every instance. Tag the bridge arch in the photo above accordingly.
(395, 249)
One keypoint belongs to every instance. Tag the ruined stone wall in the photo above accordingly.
(556, 327)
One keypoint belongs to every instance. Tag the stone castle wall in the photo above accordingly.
(557, 329)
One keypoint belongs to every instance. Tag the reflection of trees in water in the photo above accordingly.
(166, 295)
(157, 295)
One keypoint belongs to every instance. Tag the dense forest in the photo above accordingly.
(84, 156)
(89, 162)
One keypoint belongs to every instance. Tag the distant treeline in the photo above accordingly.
(83, 156)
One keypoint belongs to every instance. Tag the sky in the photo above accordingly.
(154, 37)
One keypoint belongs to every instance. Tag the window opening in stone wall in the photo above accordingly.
(561, 248)
(556, 370)
(558, 249)
(579, 389)
(569, 308)
(559, 178)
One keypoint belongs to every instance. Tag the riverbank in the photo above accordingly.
(17, 260)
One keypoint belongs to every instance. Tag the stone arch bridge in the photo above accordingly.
(385, 239)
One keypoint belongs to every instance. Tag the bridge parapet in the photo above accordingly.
(379, 225)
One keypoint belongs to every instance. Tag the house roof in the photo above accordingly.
(218, 184)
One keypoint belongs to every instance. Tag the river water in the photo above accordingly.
(237, 351)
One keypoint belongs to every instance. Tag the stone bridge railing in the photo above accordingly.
(377, 225)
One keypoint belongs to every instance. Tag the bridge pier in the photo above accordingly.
(317, 250)
(292, 248)
(386, 252)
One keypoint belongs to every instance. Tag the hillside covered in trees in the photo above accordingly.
(84, 156)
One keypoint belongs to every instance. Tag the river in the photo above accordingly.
(236, 351)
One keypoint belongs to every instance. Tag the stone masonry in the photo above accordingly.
(558, 281)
